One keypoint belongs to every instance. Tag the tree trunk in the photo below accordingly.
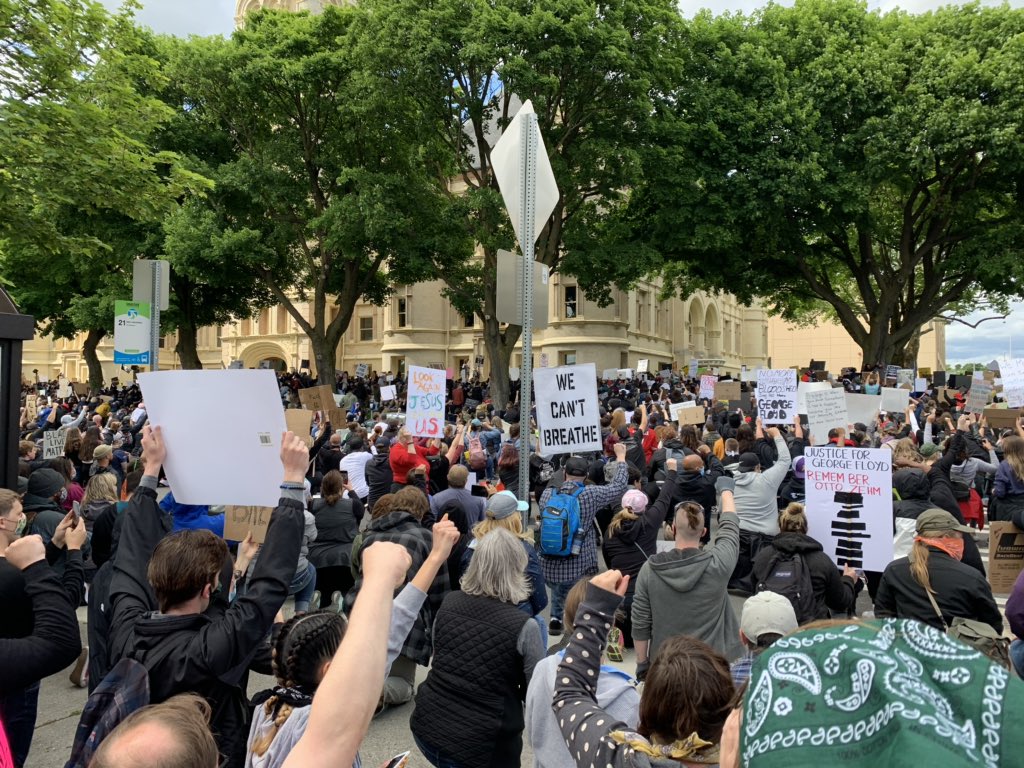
(187, 348)
(92, 340)
(325, 353)
(500, 345)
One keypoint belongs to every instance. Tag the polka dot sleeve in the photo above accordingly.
(584, 725)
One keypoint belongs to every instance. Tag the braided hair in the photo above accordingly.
(303, 644)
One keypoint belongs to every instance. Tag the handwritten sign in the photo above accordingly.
(642, 365)
(53, 444)
(978, 397)
(826, 410)
(776, 395)
(240, 521)
(686, 413)
(707, 387)
(388, 393)
(425, 403)
(317, 398)
(567, 409)
(361, 370)
(849, 504)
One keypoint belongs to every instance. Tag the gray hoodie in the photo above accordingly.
(684, 592)
(616, 695)
(757, 493)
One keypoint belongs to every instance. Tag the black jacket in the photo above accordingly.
(336, 528)
(634, 542)
(378, 478)
(832, 590)
(694, 486)
(198, 653)
(960, 591)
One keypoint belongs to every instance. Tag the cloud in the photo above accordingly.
(184, 17)
(992, 339)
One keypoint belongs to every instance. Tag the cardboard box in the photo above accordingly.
(1002, 418)
(727, 390)
(1005, 556)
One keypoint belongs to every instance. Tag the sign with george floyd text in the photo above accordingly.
(776, 395)
(567, 409)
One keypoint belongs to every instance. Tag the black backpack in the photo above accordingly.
(788, 576)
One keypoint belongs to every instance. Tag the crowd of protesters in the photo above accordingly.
(393, 552)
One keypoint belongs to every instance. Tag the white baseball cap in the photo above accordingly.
(767, 613)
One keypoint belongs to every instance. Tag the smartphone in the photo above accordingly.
(479, 490)
(344, 477)
(398, 761)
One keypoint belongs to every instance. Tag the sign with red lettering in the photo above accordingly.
(849, 504)
(424, 414)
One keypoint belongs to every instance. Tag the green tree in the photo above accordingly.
(81, 185)
(825, 154)
(331, 201)
(596, 75)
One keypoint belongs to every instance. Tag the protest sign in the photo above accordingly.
(686, 413)
(388, 393)
(185, 403)
(1012, 373)
(1005, 556)
(939, 379)
(425, 402)
(240, 521)
(299, 422)
(978, 397)
(665, 374)
(862, 409)
(826, 410)
(895, 400)
(318, 398)
(63, 388)
(544, 359)
(478, 360)
(707, 387)
(32, 405)
(849, 504)
(920, 385)
(624, 373)
(80, 388)
(336, 417)
(892, 372)
(513, 373)
(642, 365)
(693, 368)
(1002, 418)
(905, 376)
(361, 370)
(801, 393)
(53, 444)
(727, 390)
(609, 374)
(776, 395)
(567, 409)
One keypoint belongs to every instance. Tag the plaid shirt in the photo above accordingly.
(741, 669)
(561, 570)
(124, 690)
(402, 528)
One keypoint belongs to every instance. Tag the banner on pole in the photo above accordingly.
(131, 333)
(849, 504)
(567, 408)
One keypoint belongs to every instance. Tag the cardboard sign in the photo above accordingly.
(388, 393)
(1005, 556)
(80, 389)
(686, 413)
(1002, 418)
(849, 504)
(862, 409)
(425, 402)
(32, 405)
(240, 521)
(895, 400)
(926, 372)
(317, 398)
(707, 387)
(978, 397)
(776, 395)
(337, 417)
(727, 390)
(53, 444)
(568, 415)
(299, 422)
(826, 410)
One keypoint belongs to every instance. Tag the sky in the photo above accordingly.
(963, 344)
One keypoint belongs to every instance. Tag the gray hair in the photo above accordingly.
(498, 568)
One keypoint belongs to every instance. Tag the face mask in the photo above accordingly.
(20, 528)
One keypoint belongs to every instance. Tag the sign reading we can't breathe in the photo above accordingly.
(567, 411)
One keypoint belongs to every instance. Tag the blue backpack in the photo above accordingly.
(560, 524)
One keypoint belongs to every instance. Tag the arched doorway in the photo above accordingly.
(713, 331)
(264, 352)
(695, 328)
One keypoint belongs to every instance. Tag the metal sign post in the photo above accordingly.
(528, 202)
(154, 326)
(151, 282)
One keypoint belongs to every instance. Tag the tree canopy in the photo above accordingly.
(822, 153)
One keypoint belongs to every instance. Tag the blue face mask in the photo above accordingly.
(702, 473)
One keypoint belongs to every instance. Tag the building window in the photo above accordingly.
(403, 313)
(571, 302)
(568, 358)
(642, 298)
(468, 321)
(264, 322)
(163, 342)
(220, 335)
(366, 328)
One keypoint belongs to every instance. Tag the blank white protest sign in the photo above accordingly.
(223, 432)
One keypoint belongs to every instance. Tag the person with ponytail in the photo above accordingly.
(933, 569)
(1009, 484)
(834, 591)
(303, 651)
